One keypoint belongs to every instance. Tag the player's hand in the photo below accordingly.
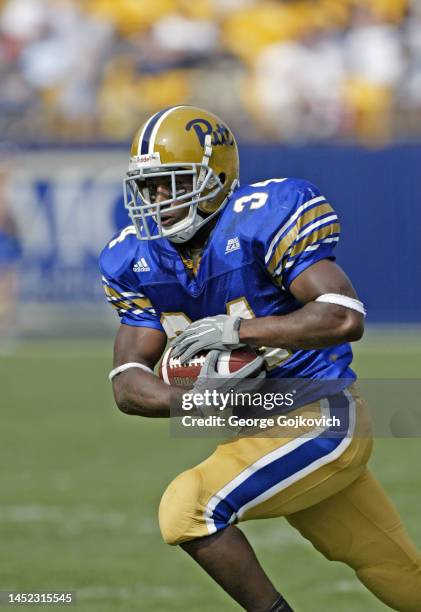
(210, 380)
(219, 333)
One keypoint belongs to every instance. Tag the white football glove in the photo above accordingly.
(219, 333)
(210, 380)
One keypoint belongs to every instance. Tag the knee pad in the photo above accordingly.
(181, 515)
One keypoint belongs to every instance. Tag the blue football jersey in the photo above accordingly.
(267, 234)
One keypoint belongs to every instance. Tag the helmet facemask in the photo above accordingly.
(146, 214)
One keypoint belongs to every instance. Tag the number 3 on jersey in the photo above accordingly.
(256, 200)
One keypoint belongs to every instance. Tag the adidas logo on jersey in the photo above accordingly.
(141, 266)
(233, 244)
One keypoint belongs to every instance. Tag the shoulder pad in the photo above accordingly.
(118, 255)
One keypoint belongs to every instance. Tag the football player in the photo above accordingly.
(212, 265)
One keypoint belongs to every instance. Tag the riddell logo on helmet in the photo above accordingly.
(140, 161)
(220, 133)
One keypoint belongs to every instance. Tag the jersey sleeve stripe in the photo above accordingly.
(318, 231)
(129, 307)
(310, 242)
(142, 303)
(122, 301)
(289, 255)
(112, 293)
(320, 222)
(139, 311)
(291, 221)
(303, 225)
(116, 289)
(120, 305)
(128, 294)
(313, 247)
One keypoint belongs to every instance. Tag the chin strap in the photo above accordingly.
(185, 235)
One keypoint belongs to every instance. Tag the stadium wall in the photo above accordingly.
(68, 202)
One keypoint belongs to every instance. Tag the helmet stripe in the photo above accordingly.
(148, 130)
(139, 144)
(157, 125)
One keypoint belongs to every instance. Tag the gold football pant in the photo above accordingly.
(317, 479)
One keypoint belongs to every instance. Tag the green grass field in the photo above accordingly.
(81, 485)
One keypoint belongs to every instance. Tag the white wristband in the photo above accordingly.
(342, 300)
(126, 366)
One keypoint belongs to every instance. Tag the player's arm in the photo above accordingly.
(316, 324)
(137, 391)
(299, 257)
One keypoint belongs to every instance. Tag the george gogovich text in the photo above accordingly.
(218, 410)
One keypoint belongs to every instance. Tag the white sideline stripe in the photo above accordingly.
(33, 513)
(276, 454)
(139, 590)
(158, 125)
(345, 586)
(289, 222)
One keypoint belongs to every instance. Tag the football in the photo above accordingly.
(173, 373)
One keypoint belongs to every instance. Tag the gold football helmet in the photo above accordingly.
(194, 154)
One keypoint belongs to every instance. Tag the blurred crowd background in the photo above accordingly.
(329, 90)
(279, 70)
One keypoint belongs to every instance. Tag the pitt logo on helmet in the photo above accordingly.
(220, 135)
(190, 157)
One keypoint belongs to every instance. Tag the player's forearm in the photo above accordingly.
(143, 394)
(314, 326)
